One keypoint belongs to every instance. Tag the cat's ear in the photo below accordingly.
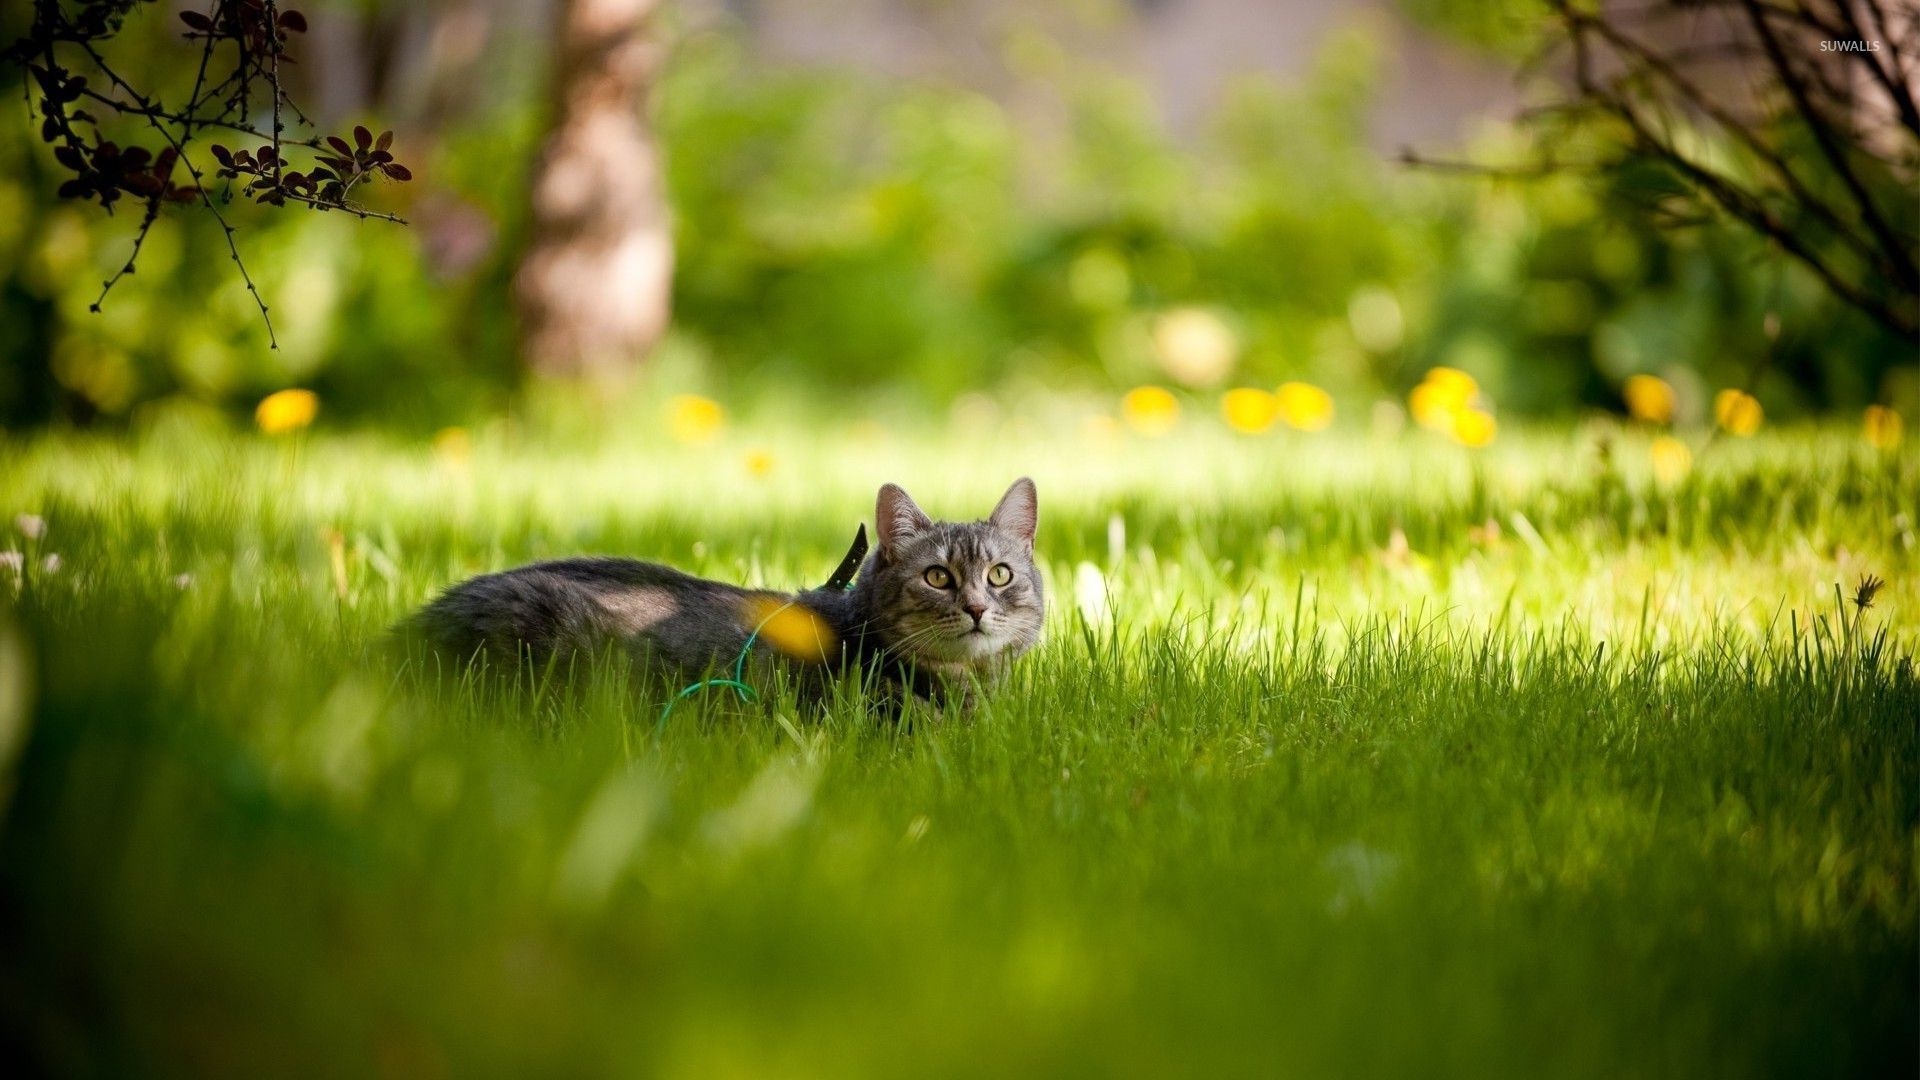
(897, 518)
(1019, 511)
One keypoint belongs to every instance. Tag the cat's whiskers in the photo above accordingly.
(935, 630)
(915, 637)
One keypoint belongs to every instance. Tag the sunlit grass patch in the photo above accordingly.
(1366, 754)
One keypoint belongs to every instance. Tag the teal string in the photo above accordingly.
(737, 684)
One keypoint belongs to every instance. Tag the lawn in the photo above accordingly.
(1346, 755)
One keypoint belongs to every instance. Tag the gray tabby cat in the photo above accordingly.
(938, 604)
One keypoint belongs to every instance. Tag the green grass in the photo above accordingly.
(1345, 780)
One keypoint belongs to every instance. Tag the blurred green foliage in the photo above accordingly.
(842, 233)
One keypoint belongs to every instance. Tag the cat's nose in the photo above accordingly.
(975, 609)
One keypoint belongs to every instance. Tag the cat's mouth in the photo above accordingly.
(954, 644)
(978, 641)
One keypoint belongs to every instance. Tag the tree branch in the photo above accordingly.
(1694, 96)
(1895, 249)
(1893, 83)
(105, 172)
(1730, 197)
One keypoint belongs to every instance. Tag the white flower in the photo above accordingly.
(13, 560)
(50, 564)
(182, 581)
(31, 526)
(1090, 592)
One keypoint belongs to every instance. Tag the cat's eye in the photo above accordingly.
(938, 577)
(999, 575)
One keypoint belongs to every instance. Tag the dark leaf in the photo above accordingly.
(340, 144)
(294, 21)
(136, 157)
(384, 141)
(197, 21)
(144, 184)
(362, 137)
(397, 171)
(221, 154)
(73, 189)
(68, 156)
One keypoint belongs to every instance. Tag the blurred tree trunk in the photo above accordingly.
(593, 285)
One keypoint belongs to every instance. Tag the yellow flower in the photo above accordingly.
(1430, 408)
(792, 629)
(1249, 411)
(1460, 385)
(1883, 427)
(1195, 347)
(1671, 460)
(452, 446)
(1440, 397)
(1150, 410)
(1305, 406)
(1473, 427)
(1649, 398)
(286, 410)
(694, 420)
(1738, 412)
(759, 462)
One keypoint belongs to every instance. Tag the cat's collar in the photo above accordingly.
(842, 578)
